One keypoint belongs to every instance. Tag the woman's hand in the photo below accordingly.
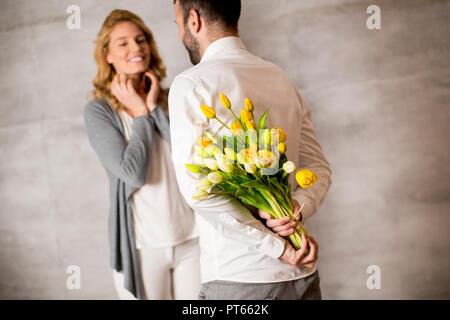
(122, 88)
(153, 94)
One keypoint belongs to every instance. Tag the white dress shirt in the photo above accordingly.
(161, 216)
(235, 246)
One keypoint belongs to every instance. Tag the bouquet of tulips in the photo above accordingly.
(250, 165)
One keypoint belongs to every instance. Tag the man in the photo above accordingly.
(240, 257)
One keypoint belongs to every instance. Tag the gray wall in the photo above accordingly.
(380, 101)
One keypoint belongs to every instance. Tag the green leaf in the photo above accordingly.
(262, 120)
(254, 184)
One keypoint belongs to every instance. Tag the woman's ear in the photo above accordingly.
(108, 56)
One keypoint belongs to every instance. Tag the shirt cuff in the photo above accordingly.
(272, 245)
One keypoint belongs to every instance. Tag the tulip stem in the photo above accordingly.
(234, 115)
(223, 123)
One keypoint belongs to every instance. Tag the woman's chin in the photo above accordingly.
(138, 68)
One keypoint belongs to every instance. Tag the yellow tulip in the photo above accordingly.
(209, 112)
(225, 102)
(204, 142)
(282, 147)
(246, 116)
(236, 128)
(250, 125)
(278, 133)
(305, 178)
(249, 105)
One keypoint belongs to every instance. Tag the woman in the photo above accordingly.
(153, 240)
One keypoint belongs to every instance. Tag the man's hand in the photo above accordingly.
(284, 226)
(301, 257)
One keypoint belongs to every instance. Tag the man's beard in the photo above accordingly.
(192, 46)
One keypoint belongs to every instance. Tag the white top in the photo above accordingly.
(161, 216)
(234, 245)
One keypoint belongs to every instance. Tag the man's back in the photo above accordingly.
(235, 246)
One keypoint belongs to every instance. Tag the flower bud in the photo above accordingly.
(249, 105)
(226, 167)
(192, 168)
(289, 167)
(200, 195)
(282, 147)
(215, 177)
(223, 163)
(225, 102)
(236, 128)
(278, 134)
(246, 116)
(211, 164)
(204, 184)
(249, 125)
(250, 168)
(204, 141)
(209, 112)
(241, 157)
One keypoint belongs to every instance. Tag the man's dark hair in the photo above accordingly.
(225, 12)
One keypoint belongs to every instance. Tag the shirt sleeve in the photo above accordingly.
(127, 161)
(228, 217)
(311, 157)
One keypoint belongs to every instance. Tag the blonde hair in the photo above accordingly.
(106, 71)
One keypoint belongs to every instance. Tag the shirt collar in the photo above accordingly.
(223, 45)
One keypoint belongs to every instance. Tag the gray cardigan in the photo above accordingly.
(126, 164)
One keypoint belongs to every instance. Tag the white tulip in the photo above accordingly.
(204, 184)
(289, 167)
(215, 177)
(200, 195)
(211, 164)
(250, 168)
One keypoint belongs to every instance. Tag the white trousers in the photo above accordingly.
(168, 273)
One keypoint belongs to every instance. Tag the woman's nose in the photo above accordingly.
(135, 46)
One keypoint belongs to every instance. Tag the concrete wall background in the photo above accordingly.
(381, 108)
